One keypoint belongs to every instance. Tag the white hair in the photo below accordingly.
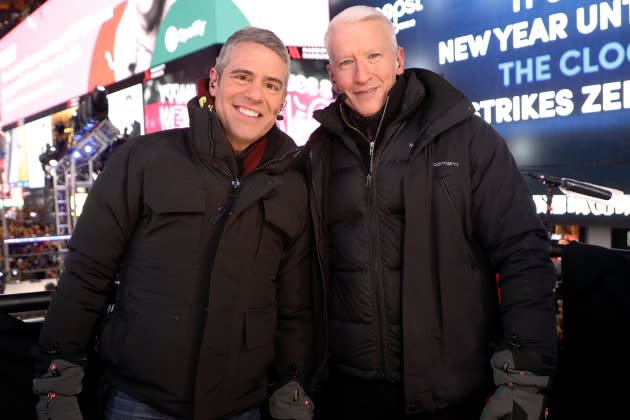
(360, 13)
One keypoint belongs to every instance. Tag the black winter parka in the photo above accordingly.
(189, 338)
(443, 191)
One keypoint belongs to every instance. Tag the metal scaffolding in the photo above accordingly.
(72, 178)
(75, 173)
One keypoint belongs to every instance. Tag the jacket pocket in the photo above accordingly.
(464, 238)
(173, 224)
(115, 333)
(280, 227)
(258, 352)
(285, 221)
(159, 336)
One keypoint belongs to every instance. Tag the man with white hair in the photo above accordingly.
(418, 205)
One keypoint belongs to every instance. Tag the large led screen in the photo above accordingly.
(166, 98)
(45, 60)
(170, 86)
(25, 144)
(67, 47)
(309, 89)
(126, 110)
(17, 162)
(552, 76)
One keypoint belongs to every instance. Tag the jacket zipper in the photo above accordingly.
(278, 159)
(227, 207)
(321, 224)
(236, 185)
(371, 140)
(375, 256)
(368, 182)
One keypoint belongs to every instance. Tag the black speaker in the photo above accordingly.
(592, 379)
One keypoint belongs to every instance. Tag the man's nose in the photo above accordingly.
(361, 72)
(254, 91)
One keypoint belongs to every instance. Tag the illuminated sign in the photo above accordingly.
(551, 76)
(126, 110)
(402, 13)
(167, 108)
(309, 89)
(25, 143)
(66, 48)
(567, 205)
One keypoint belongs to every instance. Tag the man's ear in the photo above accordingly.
(331, 76)
(214, 77)
(400, 59)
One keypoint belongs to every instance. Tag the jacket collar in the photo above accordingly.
(209, 142)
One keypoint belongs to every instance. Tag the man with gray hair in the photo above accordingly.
(206, 230)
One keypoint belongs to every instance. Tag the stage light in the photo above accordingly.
(89, 145)
(99, 106)
(49, 157)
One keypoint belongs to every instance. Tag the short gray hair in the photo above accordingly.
(256, 35)
(360, 13)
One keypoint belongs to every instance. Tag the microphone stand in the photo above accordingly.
(549, 198)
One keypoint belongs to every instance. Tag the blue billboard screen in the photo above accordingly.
(552, 76)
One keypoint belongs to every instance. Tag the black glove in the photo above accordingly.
(57, 390)
(520, 394)
(291, 402)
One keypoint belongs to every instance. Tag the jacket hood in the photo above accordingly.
(438, 103)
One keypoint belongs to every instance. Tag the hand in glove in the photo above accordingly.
(291, 402)
(57, 390)
(520, 393)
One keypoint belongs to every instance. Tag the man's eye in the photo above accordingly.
(273, 86)
(345, 63)
(374, 56)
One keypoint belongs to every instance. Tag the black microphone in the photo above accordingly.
(575, 186)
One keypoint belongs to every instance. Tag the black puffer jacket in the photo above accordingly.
(150, 221)
(409, 249)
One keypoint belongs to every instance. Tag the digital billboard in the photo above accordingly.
(552, 76)
(68, 47)
(166, 99)
(170, 86)
(309, 89)
(17, 161)
(126, 110)
(25, 143)
(45, 60)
